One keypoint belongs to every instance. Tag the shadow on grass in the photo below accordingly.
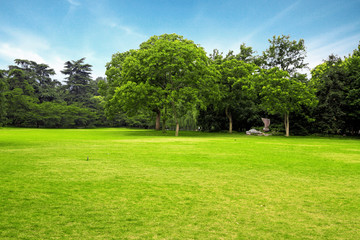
(135, 132)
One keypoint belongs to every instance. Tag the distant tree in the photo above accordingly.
(246, 54)
(216, 57)
(285, 54)
(352, 91)
(20, 97)
(39, 77)
(233, 73)
(78, 80)
(3, 90)
(338, 89)
(281, 94)
(329, 78)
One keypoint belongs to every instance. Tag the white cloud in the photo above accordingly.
(269, 22)
(73, 3)
(337, 33)
(22, 44)
(25, 39)
(322, 49)
(114, 23)
(340, 41)
(10, 52)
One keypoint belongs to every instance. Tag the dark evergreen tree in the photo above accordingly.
(329, 80)
(352, 88)
(3, 90)
(78, 82)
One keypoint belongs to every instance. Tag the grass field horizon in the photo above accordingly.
(143, 184)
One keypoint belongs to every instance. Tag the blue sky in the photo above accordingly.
(55, 31)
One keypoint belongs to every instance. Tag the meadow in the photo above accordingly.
(143, 184)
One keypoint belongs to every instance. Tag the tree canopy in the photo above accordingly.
(285, 54)
(282, 94)
(168, 74)
(171, 80)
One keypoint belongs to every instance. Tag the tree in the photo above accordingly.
(169, 71)
(352, 92)
(245, 54)
(329, 78)
(39, 77)
(279, 93)
(338, 89)
(78, 85)
(232, 75)
(284, 54)
(3, 90)
(122, 108)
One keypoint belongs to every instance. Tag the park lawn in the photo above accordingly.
(142, 184)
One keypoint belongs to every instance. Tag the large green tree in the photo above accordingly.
(121, 107)
(169, 71)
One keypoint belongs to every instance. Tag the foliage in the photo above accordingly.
(170, 78)
(233, 74)
(282, 94)
(78, 84)
(285, 54)
(168, 74)
(33, 99)
(328, 78)
(352, 92)
(39, 77)
(3, 105)
(123, 109)
(338, 90)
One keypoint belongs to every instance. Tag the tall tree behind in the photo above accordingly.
(3, 89)
(328, 79)
(285, 54)
(39, 76)
(232, 75)
(78, 79)
(338, 89)
(288, 56)
(352, 99)
(20, 97)
(281, 94)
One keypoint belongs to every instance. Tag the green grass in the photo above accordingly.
(141, 184)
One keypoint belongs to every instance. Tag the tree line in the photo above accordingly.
(171, 82)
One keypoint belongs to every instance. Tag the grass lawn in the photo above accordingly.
(141, 184)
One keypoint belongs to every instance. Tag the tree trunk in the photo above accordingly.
(177, 129)
(287, 124)
(229, 116)
(164, 120)
(164, 125)
(176, 121)
(157, 124)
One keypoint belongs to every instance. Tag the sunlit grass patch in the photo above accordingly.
(141, 184)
